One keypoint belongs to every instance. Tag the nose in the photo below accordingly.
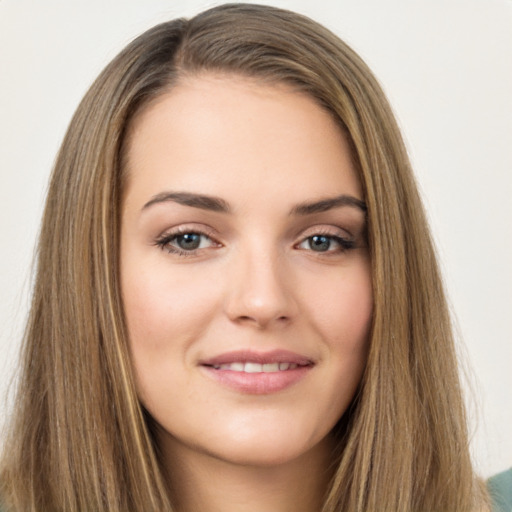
(260, 293)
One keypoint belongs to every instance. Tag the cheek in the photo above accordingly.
(161, 306)
(342, 309)
(165, 313)
(344, 317)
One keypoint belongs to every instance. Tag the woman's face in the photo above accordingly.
(245, 271)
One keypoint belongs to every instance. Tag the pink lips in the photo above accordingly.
(257, 373)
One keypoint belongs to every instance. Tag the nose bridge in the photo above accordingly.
(259, 293)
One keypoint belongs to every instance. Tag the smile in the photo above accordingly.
(256, 367)
(254, 373)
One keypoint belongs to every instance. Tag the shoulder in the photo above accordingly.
(500, 489)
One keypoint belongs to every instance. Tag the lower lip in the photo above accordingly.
(260, 383)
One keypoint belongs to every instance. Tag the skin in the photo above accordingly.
(257, 282)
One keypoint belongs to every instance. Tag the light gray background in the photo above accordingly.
(446, 66)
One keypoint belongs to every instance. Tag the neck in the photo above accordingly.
(203, 482)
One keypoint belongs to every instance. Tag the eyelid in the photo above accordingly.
(326, 230)
(180, 229)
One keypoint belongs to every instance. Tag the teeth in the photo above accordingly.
(256, 367)
(253, 368)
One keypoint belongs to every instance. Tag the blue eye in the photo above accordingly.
(319, 243)
(188, 241)
(326, 243)
(184, 244)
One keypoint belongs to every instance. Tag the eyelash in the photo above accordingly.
(164, 242)
(345, 244)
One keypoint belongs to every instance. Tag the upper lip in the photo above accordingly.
(249, 356)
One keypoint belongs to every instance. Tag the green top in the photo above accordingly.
(500, 489)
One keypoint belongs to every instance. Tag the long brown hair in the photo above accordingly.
(79, 439)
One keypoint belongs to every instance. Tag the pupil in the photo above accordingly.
(189, 241)
(319, 243)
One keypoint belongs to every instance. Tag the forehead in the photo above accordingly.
(220, 134)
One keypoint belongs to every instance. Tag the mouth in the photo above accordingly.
(251, 367)
(258, 373)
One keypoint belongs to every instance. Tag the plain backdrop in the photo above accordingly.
(446, 66)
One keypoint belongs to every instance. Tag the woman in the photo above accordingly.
(237, 304)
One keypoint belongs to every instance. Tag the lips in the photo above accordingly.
(251, 367)
(256, 372)
(248, 356)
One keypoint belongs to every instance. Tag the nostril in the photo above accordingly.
(262, 321)
(259, 303)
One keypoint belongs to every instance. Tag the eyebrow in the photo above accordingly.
(323, 205)
(216, 204)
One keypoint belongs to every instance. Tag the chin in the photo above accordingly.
(266, 448)
(258, 456)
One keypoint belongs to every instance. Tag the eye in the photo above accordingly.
(185, 243)
(326, 243)
(189, 241)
